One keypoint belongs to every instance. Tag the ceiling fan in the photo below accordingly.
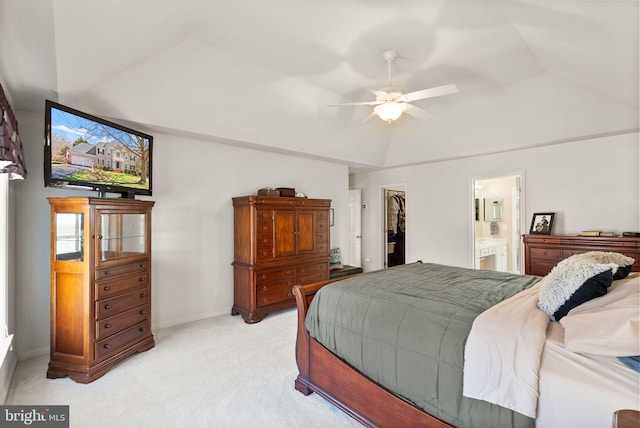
(391, 102)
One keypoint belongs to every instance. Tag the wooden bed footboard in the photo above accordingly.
(322, 372)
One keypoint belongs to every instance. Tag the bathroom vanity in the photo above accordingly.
(491, 254)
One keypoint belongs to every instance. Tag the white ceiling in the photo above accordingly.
(260, 73)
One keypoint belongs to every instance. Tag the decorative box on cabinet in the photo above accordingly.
(279, 242)
(543, 252)
(100, 284)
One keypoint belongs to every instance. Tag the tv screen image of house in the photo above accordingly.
(88, 151)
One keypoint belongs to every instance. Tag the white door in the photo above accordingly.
(355, 228)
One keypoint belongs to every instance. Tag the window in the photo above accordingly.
(117, 153)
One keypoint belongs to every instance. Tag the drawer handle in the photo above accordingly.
(264, 276)
(142, 265)
(143, 312)
(107, 288)
(107, 306)
(141, 279)
(264, 241)
(289, 295)
(106, 272)
(143, 295)
(143, 329)
(107, 325)
(106, 346)
(264, 253)
(264, 288)
(288, 272)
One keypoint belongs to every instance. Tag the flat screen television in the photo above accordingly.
(84, 151)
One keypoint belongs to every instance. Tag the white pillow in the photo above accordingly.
(608, 325)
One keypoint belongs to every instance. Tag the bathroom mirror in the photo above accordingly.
(492, 209)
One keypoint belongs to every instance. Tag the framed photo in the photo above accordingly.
(542, 223)
(331, 217)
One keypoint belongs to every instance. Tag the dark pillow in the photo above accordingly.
(572, 282)
(593, 287)
(622, 272)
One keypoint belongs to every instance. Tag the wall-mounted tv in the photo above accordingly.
(84, 151)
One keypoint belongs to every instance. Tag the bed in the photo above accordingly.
(402, 390)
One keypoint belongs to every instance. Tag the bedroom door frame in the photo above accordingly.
(400, 187)
(355, 228)
(517, 214)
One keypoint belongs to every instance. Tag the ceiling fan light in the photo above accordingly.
(390, 110)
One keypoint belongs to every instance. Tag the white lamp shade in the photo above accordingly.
(390, 110)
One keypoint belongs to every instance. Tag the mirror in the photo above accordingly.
(492, 209)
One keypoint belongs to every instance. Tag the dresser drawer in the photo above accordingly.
(264, 240)
(276, 293)
(269, 275)
(115, 305)
(111, 288)
(123, 320)
(546, 253)
(264, 253)
(119, 341)
(109, 272)
(541, 267)
(275, 286)
(322, 216)
(311, 278)
(264, 228)
(264, 216)
(312, 268)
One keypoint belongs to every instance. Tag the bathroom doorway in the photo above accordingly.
(497, 222)
(394, 225)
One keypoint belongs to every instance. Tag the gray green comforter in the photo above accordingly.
(406, 328)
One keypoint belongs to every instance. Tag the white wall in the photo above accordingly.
(192, 226)
(590, 185)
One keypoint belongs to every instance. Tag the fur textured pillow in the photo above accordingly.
(624, 262)
(573, 281)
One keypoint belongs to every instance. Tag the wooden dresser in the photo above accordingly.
(543, 252)
(279, 242)
(100, 284)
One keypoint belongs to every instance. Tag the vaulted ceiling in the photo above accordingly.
(260, 73)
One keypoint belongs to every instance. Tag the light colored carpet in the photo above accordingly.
(217, 372)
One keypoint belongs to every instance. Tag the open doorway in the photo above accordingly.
(394, 225)
(497, 223)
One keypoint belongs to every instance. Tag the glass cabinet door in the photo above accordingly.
(69, 236)
(121, 235)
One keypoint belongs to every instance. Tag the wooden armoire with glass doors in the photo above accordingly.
(100, 284)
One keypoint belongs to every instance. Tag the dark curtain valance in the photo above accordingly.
(11, 154)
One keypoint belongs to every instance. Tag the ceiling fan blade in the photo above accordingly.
(368, 118)
(430, 93)
(418, 112)
(378, 93)
(363, 103)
